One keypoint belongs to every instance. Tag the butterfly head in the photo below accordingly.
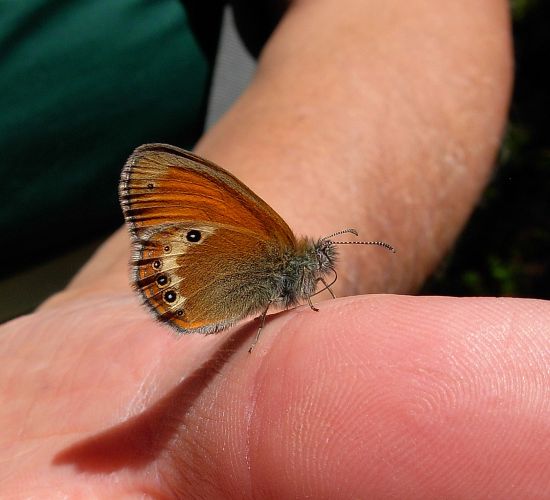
(325, 253)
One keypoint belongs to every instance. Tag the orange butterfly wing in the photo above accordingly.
(199, 286)
(162, 184)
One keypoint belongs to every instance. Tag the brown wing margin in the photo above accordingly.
(162, 184)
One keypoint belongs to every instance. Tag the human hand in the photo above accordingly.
(371, 397)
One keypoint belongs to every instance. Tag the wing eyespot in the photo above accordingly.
(170, 296)
(162, 280)
(193, 236)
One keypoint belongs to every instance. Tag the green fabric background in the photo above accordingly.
(82, 83)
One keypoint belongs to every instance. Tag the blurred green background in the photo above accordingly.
(505, 249)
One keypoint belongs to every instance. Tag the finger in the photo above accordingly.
(378, 396)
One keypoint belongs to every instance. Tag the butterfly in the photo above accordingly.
(207, 251)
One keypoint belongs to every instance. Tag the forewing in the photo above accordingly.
(161, 184)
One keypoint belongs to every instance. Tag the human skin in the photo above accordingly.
(386, 119)
(378, 396)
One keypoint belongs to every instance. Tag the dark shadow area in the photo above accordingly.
(139, 440)
(504, 250)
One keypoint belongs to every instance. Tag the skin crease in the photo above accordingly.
(387, 119)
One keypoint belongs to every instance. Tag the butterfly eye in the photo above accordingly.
(193, 236)
(170, 296)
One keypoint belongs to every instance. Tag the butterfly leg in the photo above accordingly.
(327, 287)
(262, 323)
(311, 305)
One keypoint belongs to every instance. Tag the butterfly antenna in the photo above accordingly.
(377, 243)
(353, 231)
(343, 231)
